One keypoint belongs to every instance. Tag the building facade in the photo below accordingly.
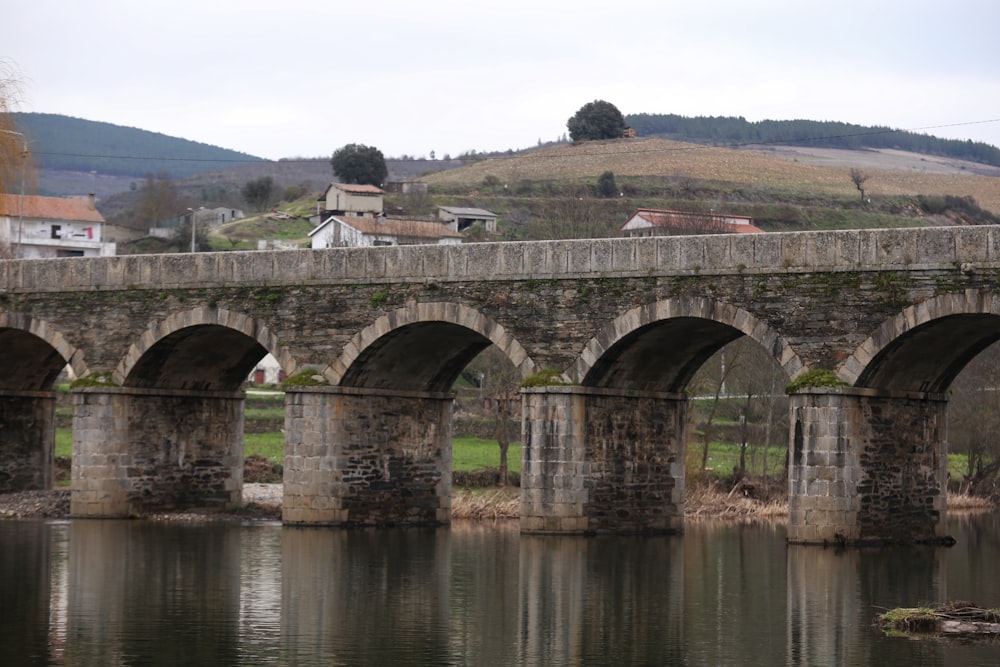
(33, 227)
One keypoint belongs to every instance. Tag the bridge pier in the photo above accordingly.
(27, 439)
(602, 461)
(867, 467)
(142, 450)
(366, 457)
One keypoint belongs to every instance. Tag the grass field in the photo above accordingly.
(780, 173)
(467, 453)
(476, 453)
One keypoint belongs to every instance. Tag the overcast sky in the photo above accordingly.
(300, 78)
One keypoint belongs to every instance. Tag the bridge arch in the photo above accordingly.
(201, 348)
(682, 333)
(33, 353)
(405, 345)
(924, 347)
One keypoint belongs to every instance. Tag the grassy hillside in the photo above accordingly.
(549, 193)
(723, 173)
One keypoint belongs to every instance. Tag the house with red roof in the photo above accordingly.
(43, 227)
(657, 222)
(353, 231)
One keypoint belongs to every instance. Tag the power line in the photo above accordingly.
(480, 158)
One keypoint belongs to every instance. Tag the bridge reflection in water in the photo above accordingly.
(120, 592)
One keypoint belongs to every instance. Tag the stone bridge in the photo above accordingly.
(373, 339)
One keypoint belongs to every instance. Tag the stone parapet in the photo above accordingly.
(787, 252)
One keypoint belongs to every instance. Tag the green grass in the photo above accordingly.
(476, 453)
(467, 453)
(723, 457)
(270, 445)
(64, 442)
(265, 413)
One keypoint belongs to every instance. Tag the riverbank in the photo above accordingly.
(263, 502)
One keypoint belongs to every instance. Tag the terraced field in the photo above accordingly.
(802, 171)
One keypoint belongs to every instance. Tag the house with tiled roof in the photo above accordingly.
(43, 227)
(347, 199)
(657, 222)
(362, 231)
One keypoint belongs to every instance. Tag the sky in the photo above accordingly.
(301, 78)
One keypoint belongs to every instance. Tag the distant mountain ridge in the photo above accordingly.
(734, 131)
(66, 143)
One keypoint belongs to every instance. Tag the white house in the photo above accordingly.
(267, 371)
(657, 222)
(44, 227)
(344, 199)
(459, 219)
(358, 231)
(211, 217)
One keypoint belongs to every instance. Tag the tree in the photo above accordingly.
(182, 237)
(499, 381)
(15, 158)
(359, 164)
(606, 186)
(974, 420)
(859, 178)
(158, 200)
(259, 192)
(596, 120)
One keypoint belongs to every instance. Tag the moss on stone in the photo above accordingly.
(307, 378)
(99, 379)
(818, 377)
(547, 377)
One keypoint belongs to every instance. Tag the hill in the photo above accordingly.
(732, 131)
(74, 144)
(737, 174)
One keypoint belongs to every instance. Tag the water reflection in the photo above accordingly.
(124, 593)
(366, 596)
(600, 601)
(127, 580)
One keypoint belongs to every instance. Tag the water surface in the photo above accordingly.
(102, 592)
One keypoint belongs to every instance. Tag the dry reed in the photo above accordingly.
(504, 503)
(702, 501)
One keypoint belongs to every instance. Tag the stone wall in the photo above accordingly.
(599, 461)
(366, 457)
(554, 466)
(136, 452)
(904, 468)
(27, 434)
(866, 468)
(850, 250)
(821, 293)
(636, 445)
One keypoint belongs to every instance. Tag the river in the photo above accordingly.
(106, 592)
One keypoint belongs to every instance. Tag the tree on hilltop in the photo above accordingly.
(359, 164)
(596, 120)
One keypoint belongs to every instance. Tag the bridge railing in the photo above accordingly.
(786, 252)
